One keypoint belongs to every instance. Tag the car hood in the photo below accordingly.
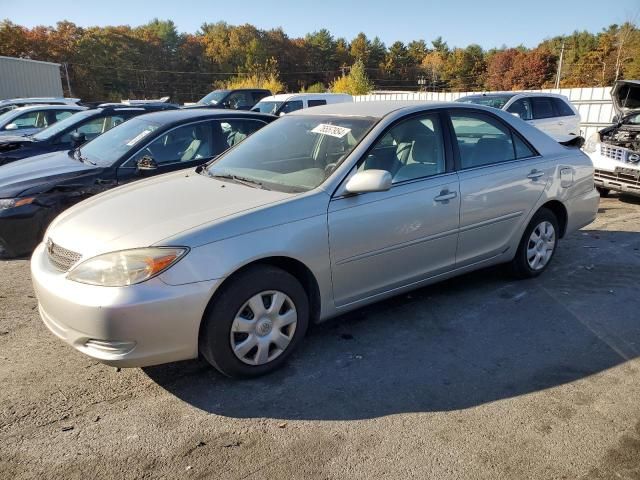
(41, 170)
(147, 212)
(626, 97)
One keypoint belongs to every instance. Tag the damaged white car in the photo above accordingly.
(615, 150)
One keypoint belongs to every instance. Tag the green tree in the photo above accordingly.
(355, 82)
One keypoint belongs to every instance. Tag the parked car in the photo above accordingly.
(235, 99)
(321, 212)
(290, 102)
(551, 113)
(31, 119)
(11, 103)
(615, 150)
(73, 131)
(34, 190)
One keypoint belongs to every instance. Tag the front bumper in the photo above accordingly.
(615, 175)
(136, 326)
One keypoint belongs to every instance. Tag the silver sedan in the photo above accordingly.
(321, 212)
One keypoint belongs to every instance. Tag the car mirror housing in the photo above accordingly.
(77, 139)
(11, 126)
(516, 114)
(147, 163)
(369, 181)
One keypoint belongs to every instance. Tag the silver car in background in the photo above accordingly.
(321, 212)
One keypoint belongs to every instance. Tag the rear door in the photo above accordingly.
(567, 120)
(501, 179)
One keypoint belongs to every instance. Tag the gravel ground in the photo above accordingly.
(477, 377)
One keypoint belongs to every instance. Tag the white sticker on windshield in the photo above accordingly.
(333, 130)
(138, 137)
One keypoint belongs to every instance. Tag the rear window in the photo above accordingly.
(562, 108)
(316, 103)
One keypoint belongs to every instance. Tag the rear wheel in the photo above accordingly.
(255, 322)
(537, 246)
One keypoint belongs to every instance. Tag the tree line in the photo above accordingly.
(154, 60)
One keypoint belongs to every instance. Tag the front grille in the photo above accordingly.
(616, 153)
(60, 257)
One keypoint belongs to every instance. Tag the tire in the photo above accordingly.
(522, 265)
(230, 322)
(604, 192)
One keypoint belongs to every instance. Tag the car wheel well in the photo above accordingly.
(560, 211)
(290, 265)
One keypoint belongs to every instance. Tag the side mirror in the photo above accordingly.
(282, 114)
(77, 139)
(11, 126)
(146, 164)
(516, 114)
(369, 181)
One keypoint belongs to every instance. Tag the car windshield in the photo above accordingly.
(58, 127)
(295, 154)
(633, 119)
(495, 101)
(214, 97)
(107, 148)
(267, 107)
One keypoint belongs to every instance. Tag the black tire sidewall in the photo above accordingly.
(214, 337)
(520, 265)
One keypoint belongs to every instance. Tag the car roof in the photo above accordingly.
(178, 115)
(286, 96)
(10, 101)
(513, 94)
(29, 108)
(368, 109)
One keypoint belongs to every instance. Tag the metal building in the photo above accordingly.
(20, 77)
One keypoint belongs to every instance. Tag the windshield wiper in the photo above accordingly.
(78, 156)
(238, 179)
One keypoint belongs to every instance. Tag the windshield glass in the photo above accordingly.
(107, 148)
(267, 107)
(495, 101)
(295, 154)
(214, 97)
(633, 119)
(57, 127)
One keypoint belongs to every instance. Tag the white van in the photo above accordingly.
(290, 102)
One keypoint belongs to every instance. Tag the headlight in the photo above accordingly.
(127, 267)
(591, 145)
(7, 203)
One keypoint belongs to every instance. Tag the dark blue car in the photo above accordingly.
(72, 131)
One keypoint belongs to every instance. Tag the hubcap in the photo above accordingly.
(541, 244)
(263, 327)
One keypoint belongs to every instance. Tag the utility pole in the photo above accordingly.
(560, 66)
(66, 74)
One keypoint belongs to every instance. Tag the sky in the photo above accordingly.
(490, 23)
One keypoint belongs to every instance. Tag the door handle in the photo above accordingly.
(102, 181)
(535, 174)
(445, 196)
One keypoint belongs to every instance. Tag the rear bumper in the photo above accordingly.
(582, 210)
(135, 326)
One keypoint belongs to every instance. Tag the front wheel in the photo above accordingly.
(255, 322)
(537, 246)
(604, 192)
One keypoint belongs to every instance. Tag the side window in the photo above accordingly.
(239, 100)
(562, 109)
(522, 108)
(481, 140)
(316, 103)
(183, 144)
(291, 106)
(94, 127)
(522, 149)
(62, 114)
(28, 120)
(542, 107)
(237, 130)
(411, 149)
(257, 96)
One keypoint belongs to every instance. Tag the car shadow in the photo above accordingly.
(465, 342)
